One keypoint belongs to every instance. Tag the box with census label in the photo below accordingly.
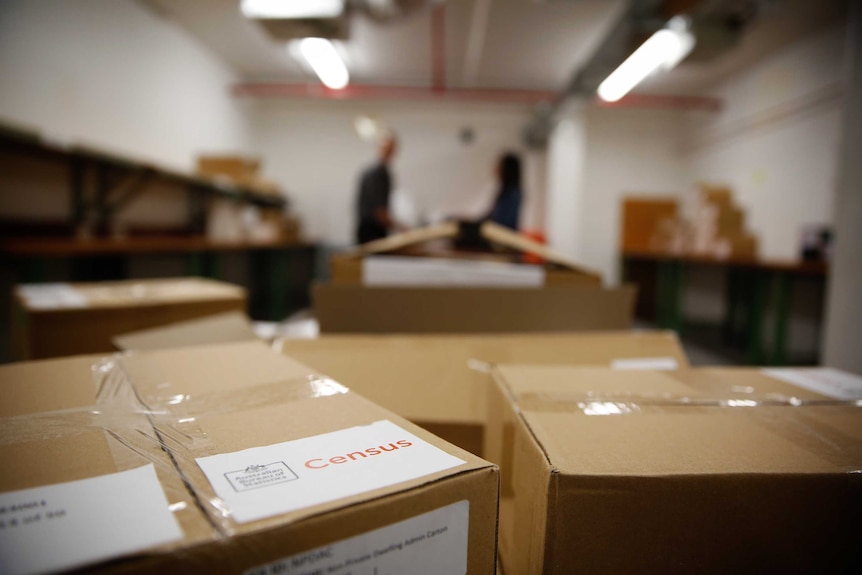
(60, 319)
(286, 471)
(687, 471)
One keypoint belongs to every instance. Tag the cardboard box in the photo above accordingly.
(430, 254)
(51, 320)
(441, 382)
(642, 219)
(693, 471)
(237, 168)
(358, 309)
(270, 455)
(74, 420)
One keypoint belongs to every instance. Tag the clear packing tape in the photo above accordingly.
(159, 426)
(802, 419)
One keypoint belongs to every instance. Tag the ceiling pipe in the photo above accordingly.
(637, 21)
(388, 92)
(438, 46)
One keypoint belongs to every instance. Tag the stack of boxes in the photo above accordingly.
(713, 226)
(202, 449)
(230, 221)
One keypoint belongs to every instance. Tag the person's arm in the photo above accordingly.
(383, 216)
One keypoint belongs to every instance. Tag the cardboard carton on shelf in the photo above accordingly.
(641, 220)
(282, 468)
(703, 470)
(52, 320)
(237, 168)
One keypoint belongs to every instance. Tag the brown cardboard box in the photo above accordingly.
(214, 407)
(73, 420)
(358, 309)
(239, 397)
(694, 471)
(51, 320)
(438, 243)
(234, 167)
(642, 218)
(440, 382)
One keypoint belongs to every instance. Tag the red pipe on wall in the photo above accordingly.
(375, 92)
(438, 47)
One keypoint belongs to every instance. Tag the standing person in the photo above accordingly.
(375, 187)
(507, 204)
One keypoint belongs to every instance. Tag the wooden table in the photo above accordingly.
(752, 285)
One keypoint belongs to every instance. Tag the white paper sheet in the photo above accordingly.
(265, 481)
(73, 524)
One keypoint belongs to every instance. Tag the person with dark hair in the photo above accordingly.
(507, 204)
(375, 187)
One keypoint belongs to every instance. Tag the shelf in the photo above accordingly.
(119, 175)
(66, 247)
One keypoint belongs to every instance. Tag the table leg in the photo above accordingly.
(757, 317)
(784, 298)
(278, 272)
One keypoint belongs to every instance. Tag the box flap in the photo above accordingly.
(429, 378)
(220, 328)
(715, 421)
(42, 298)
(491, 231)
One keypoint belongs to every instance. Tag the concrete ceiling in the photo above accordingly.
(522, 44)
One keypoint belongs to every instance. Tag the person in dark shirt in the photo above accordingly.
(375, 186)
(507, 204)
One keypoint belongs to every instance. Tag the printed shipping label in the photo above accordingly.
(265, 481)
(52, 296)
(824, 380)
(76, 523)
(434, 543)
(660, 363)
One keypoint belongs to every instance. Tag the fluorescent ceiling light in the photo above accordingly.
(663, 50)
(292, 8)
(323, 58)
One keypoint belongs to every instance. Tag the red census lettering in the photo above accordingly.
(321, 462)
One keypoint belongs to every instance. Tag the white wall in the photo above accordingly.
(113, 74)
(311, 148)
(599, 156)
(567, 151)
(777, 140)
(844, 312)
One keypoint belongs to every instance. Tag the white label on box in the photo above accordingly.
(52, 296)
(659, 363)
(824, 380)
(80, 522)
(434, 543)
(265, 481)
(404, 271)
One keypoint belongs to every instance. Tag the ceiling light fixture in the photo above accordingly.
(662, 51)
(287, 9)
(323, 58)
